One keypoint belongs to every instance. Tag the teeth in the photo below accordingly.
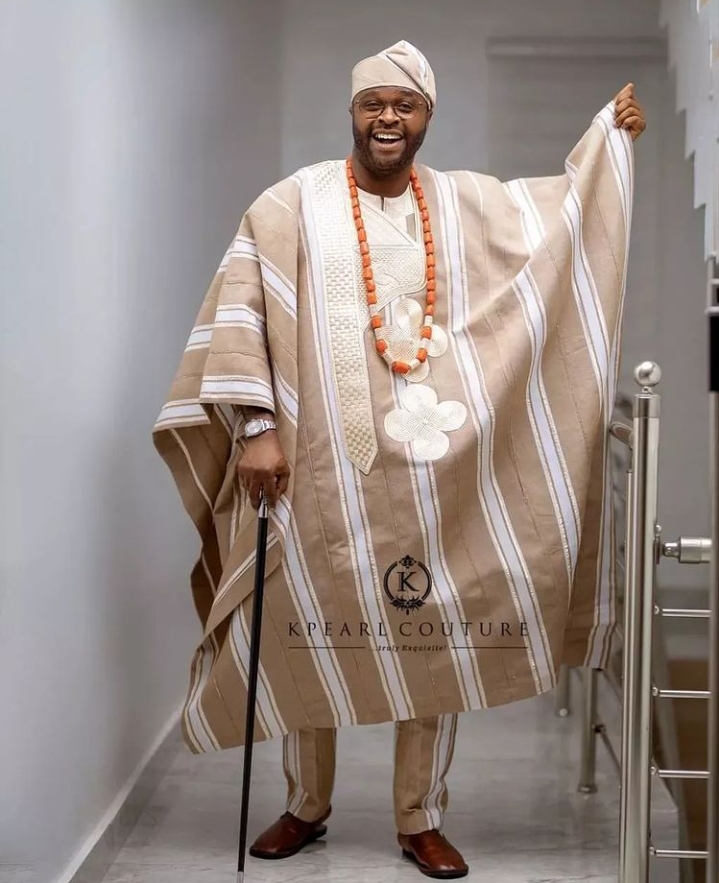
(388, 137)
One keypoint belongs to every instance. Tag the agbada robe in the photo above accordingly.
(474, 490)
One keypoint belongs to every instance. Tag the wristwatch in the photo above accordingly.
(257, 426)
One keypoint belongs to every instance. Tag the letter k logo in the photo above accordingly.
(404, 581)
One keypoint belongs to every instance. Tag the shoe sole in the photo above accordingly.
(436, 875)
(315, 835)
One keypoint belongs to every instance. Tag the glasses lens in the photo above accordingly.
(370, 108)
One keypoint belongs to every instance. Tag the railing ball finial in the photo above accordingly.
(647, 374)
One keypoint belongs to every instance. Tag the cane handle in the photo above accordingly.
(263, 504)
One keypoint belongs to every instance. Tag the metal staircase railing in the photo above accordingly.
(644, 663)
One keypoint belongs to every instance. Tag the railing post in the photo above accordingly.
(588, 771)
(641, 548)
(562, 696)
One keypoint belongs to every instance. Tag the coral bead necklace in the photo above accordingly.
(376, 322)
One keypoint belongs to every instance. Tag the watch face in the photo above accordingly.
(253, 426)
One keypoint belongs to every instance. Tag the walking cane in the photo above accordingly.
(252, 679)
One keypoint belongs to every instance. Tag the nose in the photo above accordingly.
(389, 114)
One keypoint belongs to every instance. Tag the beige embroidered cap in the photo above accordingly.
(400, 65)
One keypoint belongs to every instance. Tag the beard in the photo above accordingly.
(381, 167)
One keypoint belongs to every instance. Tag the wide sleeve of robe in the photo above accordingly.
(572, 250)
(241, 351)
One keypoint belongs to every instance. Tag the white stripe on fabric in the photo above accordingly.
(443, 744)
(359, 539)
(300, 795)
(268, 709)
(281, 516)
(497, 517)
(276, 284)
(585, 294)
(237, 509)
(240, 649)
(574, 214)
(288, 761)
(544, 428)
(304, 597)
(208, 574)
(542, 424)
(238, 386)
(604, 612)
(182, 411)
(191, 466)
(619, 147)
(618, 143)
(242, 247)
(226, 421)
(532, 224)
(273, 280)
(265, 693)
(245, 245)
(280, 201)
(449, 603)
(189, 704)
(193, 709)
(307, 605)
(243, 567)
(240, 316)
(435, 775)
(305, 600)
(199, 338)
(285, 395)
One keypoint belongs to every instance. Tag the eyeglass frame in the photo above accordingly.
(393, 104)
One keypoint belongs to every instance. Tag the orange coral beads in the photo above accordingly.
(368, 276)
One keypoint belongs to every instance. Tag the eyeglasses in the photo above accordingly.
(405, 108)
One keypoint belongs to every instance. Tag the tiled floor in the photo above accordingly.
(514, 810)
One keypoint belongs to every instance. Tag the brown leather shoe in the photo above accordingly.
(287, 836)
(433, 854)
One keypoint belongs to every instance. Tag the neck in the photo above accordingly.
(387, 186)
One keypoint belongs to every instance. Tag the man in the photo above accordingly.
(417, 369)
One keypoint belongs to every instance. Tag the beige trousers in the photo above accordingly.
(423, 751)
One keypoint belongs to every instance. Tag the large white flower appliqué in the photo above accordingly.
(423, 422)
(403, 338)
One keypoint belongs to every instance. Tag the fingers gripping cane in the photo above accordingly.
(252, 679)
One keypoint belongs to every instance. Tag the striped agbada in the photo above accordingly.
(444, 543)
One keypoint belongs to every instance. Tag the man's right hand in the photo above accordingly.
(263, 465)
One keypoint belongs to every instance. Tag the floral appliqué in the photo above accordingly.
(423, 422)
(403, 338)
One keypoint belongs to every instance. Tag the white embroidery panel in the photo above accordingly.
(337, 238)
(398, 261)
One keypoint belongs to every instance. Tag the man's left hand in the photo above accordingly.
(628, 112)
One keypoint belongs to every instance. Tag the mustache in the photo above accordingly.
(362, 140)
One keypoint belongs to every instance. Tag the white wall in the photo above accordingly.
(138, 133)
(666, 286)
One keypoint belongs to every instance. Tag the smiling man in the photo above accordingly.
(418, 370)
